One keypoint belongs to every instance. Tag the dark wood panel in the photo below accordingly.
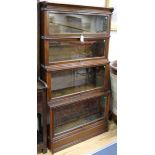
(41, 108)
(75, 8)
(76, 64)
(65, 100)
(84, 60)
(39, 97)
(107, 77)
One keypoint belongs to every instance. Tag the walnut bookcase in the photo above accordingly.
(74, 63)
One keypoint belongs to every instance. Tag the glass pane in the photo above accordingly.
(73, 23)
(72, 81)
(77, 114)
(69, 50)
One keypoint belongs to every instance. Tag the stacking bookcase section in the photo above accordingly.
(74, 20)
(72, 78)
(74, 63)
(57, 50)
(77, 120)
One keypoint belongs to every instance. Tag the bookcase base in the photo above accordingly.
(77, 135)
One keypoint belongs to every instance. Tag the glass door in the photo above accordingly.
(72, 116)
(60, 23)
(76, 80)
(72, 50)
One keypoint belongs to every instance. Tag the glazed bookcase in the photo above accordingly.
(74, 46)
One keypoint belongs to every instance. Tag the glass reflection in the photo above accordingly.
(70, 50)
(72, 81)
(72, 23)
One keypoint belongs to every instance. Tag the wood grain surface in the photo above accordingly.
(92, 144)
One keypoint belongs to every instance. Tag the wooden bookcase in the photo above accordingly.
(74, 63)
